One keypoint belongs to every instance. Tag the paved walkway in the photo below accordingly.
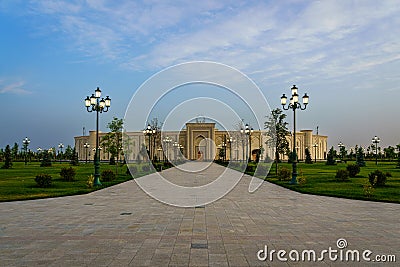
(122, 225)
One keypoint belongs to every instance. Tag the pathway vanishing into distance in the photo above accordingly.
(122, 225)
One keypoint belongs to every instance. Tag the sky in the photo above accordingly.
(344, 54)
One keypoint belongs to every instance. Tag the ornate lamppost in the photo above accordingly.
(150, 132)
(248, 131)
(26, 142)
(341, 147)
(61, 146)
(167, 140)
(86, 146)
(94, 104)
(230, 141)
(315, 152)
(39, 153)
(376, 141)
(293, 105)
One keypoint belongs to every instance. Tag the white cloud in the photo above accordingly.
(13, 88)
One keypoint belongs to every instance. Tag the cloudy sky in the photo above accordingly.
(344, 54)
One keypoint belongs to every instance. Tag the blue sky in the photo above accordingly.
(344, 54)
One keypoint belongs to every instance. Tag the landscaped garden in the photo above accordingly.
(18, 182)
(321, 179)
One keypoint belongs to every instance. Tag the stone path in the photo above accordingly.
(123, 226)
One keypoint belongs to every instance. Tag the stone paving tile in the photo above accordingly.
(97, 229)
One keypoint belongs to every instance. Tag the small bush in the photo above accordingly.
(342, 175)
(68, 174)
(377, 178)
(353, 169)
(43, 180)
(146, 168)
(388, 174)
(90, 181)
(368, 190)
(250, 168)
(301, 180)
(284, 174)
(107, 175)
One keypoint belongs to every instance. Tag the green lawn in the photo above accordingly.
(18, 183)
(320, 180)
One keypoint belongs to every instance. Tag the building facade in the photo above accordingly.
(200, 141)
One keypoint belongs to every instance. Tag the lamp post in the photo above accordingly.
(166, 141)
(94, 104)
(39, 153)
(86, 146)
(176, 146)
(26, 142)
(341, 147)
(230, 141)
(376, 141)
(294, 104)
(61, 146)
(149, 131)
(248, 131)
(315, 152)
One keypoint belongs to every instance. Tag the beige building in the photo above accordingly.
(202, 141)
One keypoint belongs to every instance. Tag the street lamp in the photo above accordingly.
(94, 104)
(248, 131)
(26, 142)
(149, 131)
(341, 147)
(294, 104)
(376, 141)
(61, 146)
(86, 146)
(39, 153)
(230, 141)
(166, 141)
(315, 152)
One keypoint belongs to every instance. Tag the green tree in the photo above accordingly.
(398, 156)
(277, 131)
(7, 158)
(308, 156)
(69, 152)
(389, 152)
(360, 157)
(330, 158)
(14, 151)
(46, 159)
(112, 141)
(75, 158)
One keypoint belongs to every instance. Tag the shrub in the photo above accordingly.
(368, 190)
(301, 180)
(90, 181)
(377, 178)
(250, 168)
(284, 174)
(353, 169)
(107, 175)
(7, 158)
(68, 174)
(342, 175)
(146, 168)
(388, 174)
(43, 180)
